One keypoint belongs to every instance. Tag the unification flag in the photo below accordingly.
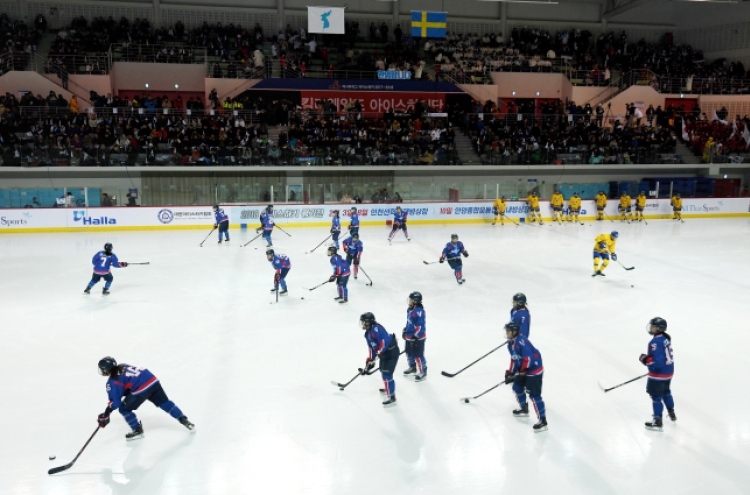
(428, 24)
(326, 20)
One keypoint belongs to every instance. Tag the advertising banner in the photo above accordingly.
(373, 101)
(201, 217)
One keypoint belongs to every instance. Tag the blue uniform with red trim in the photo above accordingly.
(222, 222)
(267, 223)
(354, 224)
(523, 318)
(399, 222)
(382, 344)
(415, 334)
(102, 263)
(660, 362)
(335, 230)
(353, 252)
(131, 388)
(526, 364)
(341, 271)
(453, 253)
(281, 263)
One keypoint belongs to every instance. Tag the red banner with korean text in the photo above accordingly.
(373, 101)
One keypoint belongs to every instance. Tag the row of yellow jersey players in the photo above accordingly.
(626, 203)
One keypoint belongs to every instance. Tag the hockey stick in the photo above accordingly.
(316, 247)
(209, 235)
(342, 386)
(284, 231)
(625, 267)
(366, 275)
(514, 222)
(146, 263)
(624, 383)
(277, 293)
(438, 261)
(365, 372)
(251, 240)
(467, 399)
(70, 464)
(319, 285)
(451, 375)
(608, 217)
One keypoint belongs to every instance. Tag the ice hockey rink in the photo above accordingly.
(254, 376)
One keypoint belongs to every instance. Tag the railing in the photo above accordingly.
(62, 78)
(167, 54)
(77, 64)
(249, 116)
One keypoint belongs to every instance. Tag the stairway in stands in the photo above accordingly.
(273, 133)
(687, 154)
(466, 150)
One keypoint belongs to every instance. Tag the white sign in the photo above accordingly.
(201, 217)
(326, 20)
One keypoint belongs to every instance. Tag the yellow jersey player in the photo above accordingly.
(640, 204)
(557, 201)
(625, 207)
(604, 247)
(677, 207)
(532, 201)
(601, 203)
(498, 208)
(574, 208)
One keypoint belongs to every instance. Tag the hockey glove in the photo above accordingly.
(466, 254)
(123, 264)
(403, 334)
(369, 364)
(277, 279)
(645, 359)
(103, 420)
(602, 245)
(614, 257)
(216, 226)
(333, 231)
(509, 377)
(332, 278)
(442, 260)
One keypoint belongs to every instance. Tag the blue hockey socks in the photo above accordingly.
(170, 408)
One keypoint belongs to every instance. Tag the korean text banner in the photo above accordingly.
(374, 101)
(326, 20)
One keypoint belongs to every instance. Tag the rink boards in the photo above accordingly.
(201, 217)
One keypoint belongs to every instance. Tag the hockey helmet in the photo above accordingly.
(520, 298)
(615, 234)
(416, 297)
(513, 327)
(659, 323)
(106, 365)
(108, 248)
(332, 250)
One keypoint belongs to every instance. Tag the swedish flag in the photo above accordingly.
(428, 24)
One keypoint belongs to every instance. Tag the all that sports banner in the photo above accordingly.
(326, 20)
(426, 24)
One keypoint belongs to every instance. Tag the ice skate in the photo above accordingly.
(521, 412)
(541, 426)
(187, 424)
(410, 371)
(344, 300)
(655, 424)
(284, 292)
(671, 414)
(390, 402)
(105, 292)
(421, 377)
(136, 434)
(87, 290)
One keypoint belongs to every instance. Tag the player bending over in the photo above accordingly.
(128, 387)
(532, 201)
(340, 275)
(604, 247)
(281, 264)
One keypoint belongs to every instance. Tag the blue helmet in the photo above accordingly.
(615, 234)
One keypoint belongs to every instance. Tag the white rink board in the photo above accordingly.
(147, 218)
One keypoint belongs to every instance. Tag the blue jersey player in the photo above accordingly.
(281, 264)
(520, 314)
(452, 252)
(222, 222)
(414, 336)
(399, 223)
(354, 223)
(384, 346)
(266, 225)
(127, 388)
(525, 372)
(353, 248)
(341, 274)
(660, 362)
(103, 261)
(335, 227)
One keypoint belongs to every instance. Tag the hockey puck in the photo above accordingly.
(301, 297)
(466, 401)
(341, 389)
(51, 458)
(632, 286)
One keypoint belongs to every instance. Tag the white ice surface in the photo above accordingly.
(255, 377)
